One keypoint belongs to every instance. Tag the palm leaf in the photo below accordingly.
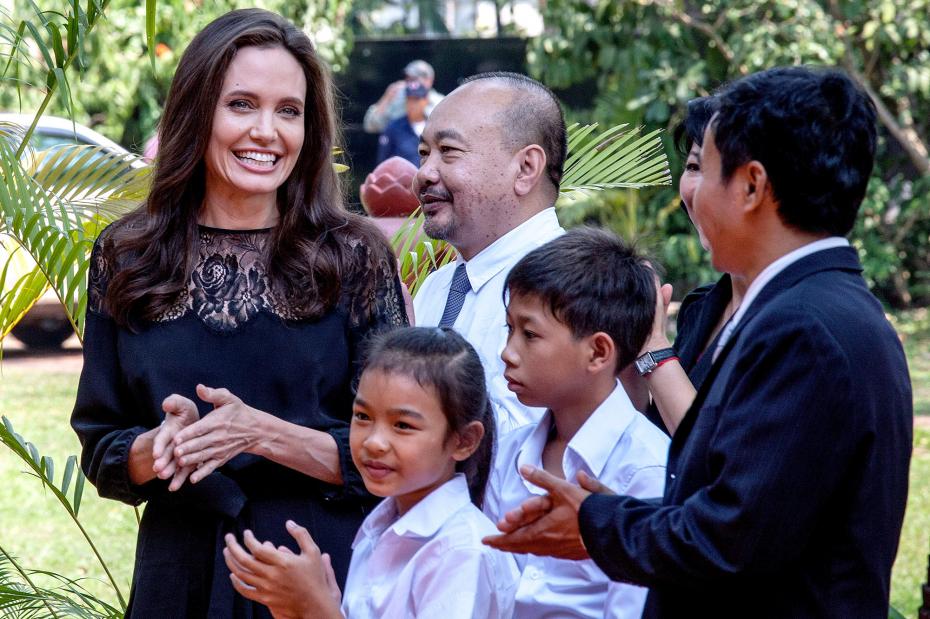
(21, 597)
(417, 254)
(53, 207)
(43, 468)
(615, 158)
(20, 287)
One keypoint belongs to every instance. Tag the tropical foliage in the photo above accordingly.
(644, 59)
(20, 595)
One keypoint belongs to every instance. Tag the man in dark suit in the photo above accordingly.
(787, 479)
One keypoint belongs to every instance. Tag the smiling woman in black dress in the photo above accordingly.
(225, 320)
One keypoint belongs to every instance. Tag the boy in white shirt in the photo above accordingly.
(579, 310)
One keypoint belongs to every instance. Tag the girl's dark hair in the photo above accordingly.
(442, 359)
(310, 249)
(690, 131)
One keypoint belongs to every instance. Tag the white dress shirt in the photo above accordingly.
(430, 562)
(767, 275)
(626, 452)
(482, 320)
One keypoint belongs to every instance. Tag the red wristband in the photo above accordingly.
(663, 362)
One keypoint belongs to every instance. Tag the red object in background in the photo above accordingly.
(387, 191)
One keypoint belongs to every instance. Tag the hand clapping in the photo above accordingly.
(190, 448)
(547, 525)
(290, 585)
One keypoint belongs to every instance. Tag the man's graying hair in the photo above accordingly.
(534, 117)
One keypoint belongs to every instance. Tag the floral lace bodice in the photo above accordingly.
(228, 285)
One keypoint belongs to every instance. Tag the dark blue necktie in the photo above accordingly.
(458, 290)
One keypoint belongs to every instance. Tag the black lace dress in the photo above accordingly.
(228, 330)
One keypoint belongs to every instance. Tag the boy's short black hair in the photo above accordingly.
(591, 281)
(813, 130)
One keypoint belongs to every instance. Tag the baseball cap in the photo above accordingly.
(419, 68)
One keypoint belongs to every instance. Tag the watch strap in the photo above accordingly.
(650, 360)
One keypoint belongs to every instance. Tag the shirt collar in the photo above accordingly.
(515, 244)
(424, 519)
(597, 437)
(593, 442)
(767, 275)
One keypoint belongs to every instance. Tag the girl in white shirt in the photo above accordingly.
(422, 434)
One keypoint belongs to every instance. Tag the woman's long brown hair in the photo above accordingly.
(309, 255)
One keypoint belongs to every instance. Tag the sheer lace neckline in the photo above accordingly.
(229, 284)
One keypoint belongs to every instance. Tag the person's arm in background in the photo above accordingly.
(668, 384)
(379, 113)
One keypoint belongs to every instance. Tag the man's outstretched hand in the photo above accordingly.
(547, 525)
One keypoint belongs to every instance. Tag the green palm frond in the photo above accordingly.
(618, 157)
(68, 495)
(92, 179)
(417, 254)
(53, 206)
(21, 597)
(21, 285)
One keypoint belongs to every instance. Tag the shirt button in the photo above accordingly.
(672, 475)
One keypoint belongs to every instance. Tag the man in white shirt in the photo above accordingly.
(492, 156)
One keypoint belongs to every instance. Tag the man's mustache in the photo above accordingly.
(435, 195)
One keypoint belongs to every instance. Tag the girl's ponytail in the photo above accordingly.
(477, 467)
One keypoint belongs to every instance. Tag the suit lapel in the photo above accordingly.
(843, 258)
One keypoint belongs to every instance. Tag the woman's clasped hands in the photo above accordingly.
(188, 448)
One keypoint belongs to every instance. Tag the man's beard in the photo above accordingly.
(440, 231)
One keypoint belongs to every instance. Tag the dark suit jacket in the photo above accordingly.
(787, 479)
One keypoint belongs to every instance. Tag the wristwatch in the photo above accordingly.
(649, 361)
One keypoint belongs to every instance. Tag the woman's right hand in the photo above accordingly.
(180, 412)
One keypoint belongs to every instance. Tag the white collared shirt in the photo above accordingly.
(767, 275)
(482, 320)
(430, 562)
(626, 452)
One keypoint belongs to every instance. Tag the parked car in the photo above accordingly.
(46, 324)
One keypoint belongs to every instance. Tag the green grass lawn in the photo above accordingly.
(37, 530)
(34, 527)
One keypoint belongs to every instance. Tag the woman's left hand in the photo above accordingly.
(221, 435)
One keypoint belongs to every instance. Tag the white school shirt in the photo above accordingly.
(482, 320)
(430, 562)
(626, 452)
